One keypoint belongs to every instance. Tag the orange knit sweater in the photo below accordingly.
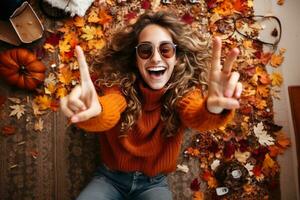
(144, 148)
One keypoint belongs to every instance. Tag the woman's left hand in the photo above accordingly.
(224, 88)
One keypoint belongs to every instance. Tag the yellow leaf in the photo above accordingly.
(277, 59)
(93, 17)
(36, 109)
(64, 46)
(89, 32)
(49, 47)
(50, 89)
(44, 102)
(61, 92)
(276, 78)
(268, 162)
(96, 44)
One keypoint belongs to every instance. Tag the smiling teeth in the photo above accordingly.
(155, 69)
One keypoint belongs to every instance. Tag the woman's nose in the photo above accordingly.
(156, 56)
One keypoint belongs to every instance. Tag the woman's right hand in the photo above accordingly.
(82, 103)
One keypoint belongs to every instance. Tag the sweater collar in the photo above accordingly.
(151, 98)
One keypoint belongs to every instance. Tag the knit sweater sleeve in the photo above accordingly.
(113, 103)
(194, 114)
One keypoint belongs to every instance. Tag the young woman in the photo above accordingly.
(153, 73)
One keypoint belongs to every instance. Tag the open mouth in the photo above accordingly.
(156, 71)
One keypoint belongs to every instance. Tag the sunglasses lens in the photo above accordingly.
(167, 50)
(144, 51)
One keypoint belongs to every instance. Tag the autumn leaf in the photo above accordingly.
(53, 39)
(44, 102)
(14, 100)
(282, 140)
(8, 130)
(145, 4)
(65, 75)
(93, 17)
(49, 47)
(64, 46)
(276, 60)
(17, 110)
(242, 157)
(198, 195)
(96, 44)
(104, 17)
(276, 78)
(187, 18)
(50, 79)
(79, 21)
(263, 137)
(36, 109)
(263, 90)
(195, 185)
(61, 92)
(275, 150)
(39, 125)
(89, 32)
(50, 89)
(211, 181)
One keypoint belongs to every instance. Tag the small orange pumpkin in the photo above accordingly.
(21, 68)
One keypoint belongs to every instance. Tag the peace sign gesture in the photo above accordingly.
(223, 86)
(82, 103)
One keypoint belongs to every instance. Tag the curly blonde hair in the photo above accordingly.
(117, 63)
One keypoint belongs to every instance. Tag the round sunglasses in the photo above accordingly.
(145, 50)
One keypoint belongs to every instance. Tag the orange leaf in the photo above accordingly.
(65, 75)
(104, 17)
(93, 17)
(283, 140)
(263, 90)
(276, 60)
(79, 21)
(61, 92)
(198, 195)
(44, 102)
(275, 150)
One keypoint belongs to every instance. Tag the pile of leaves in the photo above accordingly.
(252, 139)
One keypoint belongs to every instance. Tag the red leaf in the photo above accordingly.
(53, 39)
(146, 4)
(256, 170)
(211, 4)
(187, 18)
(130, 16)
(195, 185)
(229, 149)
(8, 130)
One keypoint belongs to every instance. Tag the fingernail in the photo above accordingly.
(74, 119)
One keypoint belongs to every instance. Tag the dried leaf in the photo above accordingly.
(65, 75)
(15, 100)
(17, 110)
(263, 138)
(276, 78)
(39, 125)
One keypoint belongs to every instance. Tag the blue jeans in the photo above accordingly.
(116, 185)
